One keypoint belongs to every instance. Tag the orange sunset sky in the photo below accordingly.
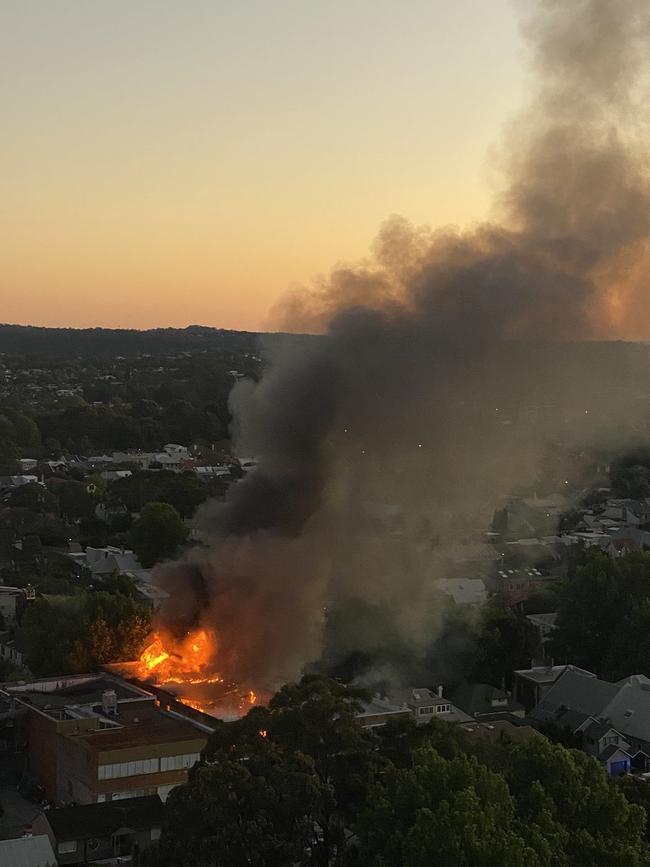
(167, 162)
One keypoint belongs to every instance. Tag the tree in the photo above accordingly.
(8, 457)
(82, 632)
(312, 719)
(157, 533)
(236, 813)
(637, 791)
(575, 809)
(451, 812)
(75, 499)
(506, 641)
(603, 619)
(27, 434)
(35, 497)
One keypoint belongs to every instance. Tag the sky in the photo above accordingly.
(170, 162)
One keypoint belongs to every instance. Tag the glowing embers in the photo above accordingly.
(190, 660)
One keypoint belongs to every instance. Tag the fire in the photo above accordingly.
(187, 660)
(187, 667)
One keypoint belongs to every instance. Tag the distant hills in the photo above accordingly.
(97, 342)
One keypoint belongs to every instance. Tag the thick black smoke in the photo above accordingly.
(444, 372)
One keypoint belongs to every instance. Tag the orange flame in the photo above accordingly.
(187, 660)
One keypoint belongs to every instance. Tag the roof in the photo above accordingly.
(496, 729)
(464, 591)
(477, 699)
(577, 692)
(377, 706)
(102, 820)
(543, 619)
(610, 751)
(629, 711)
(550, 673)
(75, 691)
(27, 852)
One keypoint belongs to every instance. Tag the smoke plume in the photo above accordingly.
(445, 370)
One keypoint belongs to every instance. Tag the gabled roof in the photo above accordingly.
(103, 820)
(629, 711)
(581, 694)
(611, 750)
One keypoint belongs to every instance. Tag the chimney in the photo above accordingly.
(109, 702)
(440, 692)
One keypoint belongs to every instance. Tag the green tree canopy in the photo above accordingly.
(157, 533)
(604, 616)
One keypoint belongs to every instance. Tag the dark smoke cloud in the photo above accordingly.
(386, 444)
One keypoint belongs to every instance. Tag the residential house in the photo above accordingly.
(482, 701)
(420, 704)
(613, 719)
(532, 684)
(102, 832)
(378, 711)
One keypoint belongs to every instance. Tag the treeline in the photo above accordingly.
(109, 342)
(301, 783)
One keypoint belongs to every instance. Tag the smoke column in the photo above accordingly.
(444, 371)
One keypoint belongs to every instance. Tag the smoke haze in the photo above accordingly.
(444, 372)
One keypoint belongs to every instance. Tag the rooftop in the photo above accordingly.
(102, 820)
(550, 673)
(138, 725)
(74, 692)
(27, 852)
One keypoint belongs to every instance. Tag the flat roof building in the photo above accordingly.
(94, 738)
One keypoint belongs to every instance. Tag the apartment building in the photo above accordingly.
(96, 738)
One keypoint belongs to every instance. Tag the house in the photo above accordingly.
(426, 704)
(378, 711)
(482, 701)
(101, 832)
(464, 591)
(420, 704)
(103, 562)
(35, 851)
(96, 737)
(531, 684)
(219, 471)
(612, 719)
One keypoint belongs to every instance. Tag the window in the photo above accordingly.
(128, 769)
(66, 847)
(425, 710)
(155, 833)
(443, 708)
(177, 763)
